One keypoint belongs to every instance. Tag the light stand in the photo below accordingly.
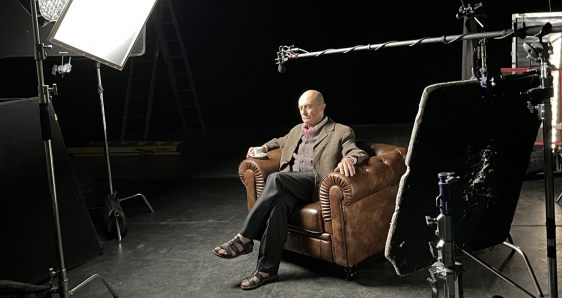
(541, 52)
(479, 68)
(44, 94)
(446, 273)
(114, 217)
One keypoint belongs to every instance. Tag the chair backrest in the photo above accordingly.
(374, 149)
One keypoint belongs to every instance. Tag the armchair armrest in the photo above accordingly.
(357, 210)
(253, 173)
(373, 175)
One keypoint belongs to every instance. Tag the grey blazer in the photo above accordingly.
(335, 141)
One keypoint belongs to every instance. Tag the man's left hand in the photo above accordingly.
(346, 167)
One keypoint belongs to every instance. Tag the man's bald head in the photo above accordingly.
(314, 96)
(311, 107)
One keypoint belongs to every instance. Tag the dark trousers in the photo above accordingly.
(283, 193)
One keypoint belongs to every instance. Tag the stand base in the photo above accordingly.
(59, 284)
(114, 217)
(89, 279)
(505, 278)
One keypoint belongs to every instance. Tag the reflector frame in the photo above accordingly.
(102, 30)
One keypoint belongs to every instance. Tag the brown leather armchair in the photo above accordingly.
(351, 219)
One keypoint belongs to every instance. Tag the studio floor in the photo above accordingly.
(199, 203)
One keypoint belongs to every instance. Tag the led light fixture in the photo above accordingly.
(51, 9)
(48, 10)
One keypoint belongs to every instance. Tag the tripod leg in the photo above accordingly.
(511, 253)
(528, 264)
(118, 228)
(143, 197)
(496, 272)
(107, 285)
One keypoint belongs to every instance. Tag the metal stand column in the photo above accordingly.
(114, 213)
(59, 279)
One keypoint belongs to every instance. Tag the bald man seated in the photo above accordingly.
(310, 151)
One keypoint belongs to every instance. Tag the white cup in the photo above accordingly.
(258, 151)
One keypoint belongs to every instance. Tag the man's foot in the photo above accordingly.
(257, 280)
(237, 246)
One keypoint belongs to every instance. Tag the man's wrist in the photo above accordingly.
(353, 161)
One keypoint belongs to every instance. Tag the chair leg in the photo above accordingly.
(350, 272)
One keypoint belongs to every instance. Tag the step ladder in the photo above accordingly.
(138, 101)
(168, 43)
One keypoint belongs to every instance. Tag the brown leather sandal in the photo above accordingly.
(252, 284)
(230, 246)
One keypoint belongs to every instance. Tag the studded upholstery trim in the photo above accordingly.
(250, 165)
(327, 183)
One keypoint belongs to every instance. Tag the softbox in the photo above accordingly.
(17, 35)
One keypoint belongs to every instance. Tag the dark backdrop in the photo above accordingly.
(28, 247)
(232, 46)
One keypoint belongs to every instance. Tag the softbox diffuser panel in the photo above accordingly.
(28, 243)
(17, 35)
(102, 30)
(486, 139)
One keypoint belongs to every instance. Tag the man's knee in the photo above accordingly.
(274, 177)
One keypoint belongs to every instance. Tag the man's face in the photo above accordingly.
(312, 111)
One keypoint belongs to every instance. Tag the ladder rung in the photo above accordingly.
(179, 74)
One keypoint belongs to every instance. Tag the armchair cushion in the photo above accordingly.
(308, 218)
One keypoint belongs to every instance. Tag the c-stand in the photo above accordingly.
(539, 100)
(479, 67)
(59, 286)
(446, 273)
(113, 214)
